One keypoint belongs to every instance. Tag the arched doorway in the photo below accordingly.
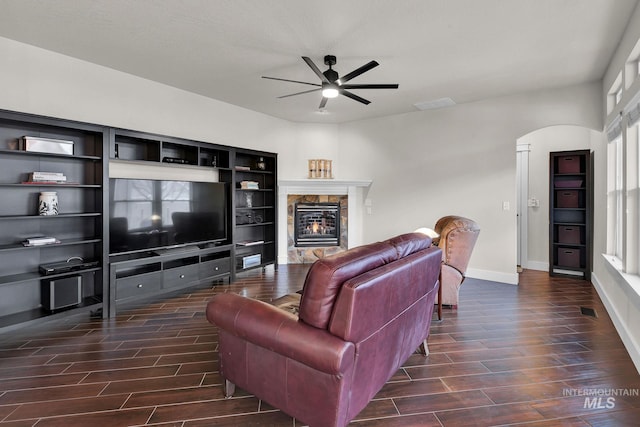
(532, 171)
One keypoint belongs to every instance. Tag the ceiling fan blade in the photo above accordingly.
(358, 71)
(323, 102)
(371, 86)
(355, 97)
(299, 93)
(292, 81)
(315, 69)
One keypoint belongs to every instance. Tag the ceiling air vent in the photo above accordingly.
(434, 104)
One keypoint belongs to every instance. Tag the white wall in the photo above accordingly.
(621, 300)
(459, 160)
(38, 81)
(542, 142)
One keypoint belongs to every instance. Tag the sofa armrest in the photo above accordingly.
(269, 327)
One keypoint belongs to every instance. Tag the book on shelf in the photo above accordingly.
(250, 242)
(40, 240)
(249, 185)
(243, 168)
(47, 176)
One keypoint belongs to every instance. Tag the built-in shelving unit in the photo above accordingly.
(254, 200)
(251, 220)
(79, 226)
(570, 214)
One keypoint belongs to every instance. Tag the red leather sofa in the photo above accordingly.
(362, 313)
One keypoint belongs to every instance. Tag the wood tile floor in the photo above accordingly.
(508, 356)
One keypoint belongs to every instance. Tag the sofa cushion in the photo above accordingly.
(409, 243)
(326, 276)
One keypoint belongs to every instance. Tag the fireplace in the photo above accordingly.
(317, 224)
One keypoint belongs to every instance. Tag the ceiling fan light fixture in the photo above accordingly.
(330, 90)
(332, 85)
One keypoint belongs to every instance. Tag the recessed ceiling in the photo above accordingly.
(466, 50)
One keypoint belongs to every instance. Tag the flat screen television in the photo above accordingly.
(148, 214)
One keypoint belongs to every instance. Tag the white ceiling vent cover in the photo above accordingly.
(434, 104)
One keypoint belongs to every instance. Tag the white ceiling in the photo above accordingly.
(463, 49)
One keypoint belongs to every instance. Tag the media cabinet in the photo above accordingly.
(82, 224)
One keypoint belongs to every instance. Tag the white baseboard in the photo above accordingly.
(623, 329)
(537, 265)
(494, 276)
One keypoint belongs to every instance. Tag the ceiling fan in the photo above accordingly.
(333, 85)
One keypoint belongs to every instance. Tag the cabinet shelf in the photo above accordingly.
(569, 268)
(28, 316)
(244, 208)
(573, 245)
(255, 189)
(172, 165)
(569, 188)
(256, 171)
(29, 276)
(51, 217)
(20, 246)
(38, 154)
(570, 174)
(248, 245)
(19, 184)
(258, 224)
(253, 267)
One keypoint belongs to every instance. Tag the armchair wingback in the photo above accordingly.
(363, 312)
(458, 236)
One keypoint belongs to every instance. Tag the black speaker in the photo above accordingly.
(61, 292)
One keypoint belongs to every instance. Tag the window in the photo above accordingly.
(614, 94)
(176, 197)
(618, 95)
(623, 189)
(615, 191)
(618, 196)
(133, 199)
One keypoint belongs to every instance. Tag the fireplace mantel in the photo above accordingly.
(325, 186)
(354, 189)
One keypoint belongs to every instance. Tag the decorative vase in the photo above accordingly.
(48, 203)
(248, 199)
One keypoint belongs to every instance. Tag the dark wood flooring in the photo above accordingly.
(509, 355)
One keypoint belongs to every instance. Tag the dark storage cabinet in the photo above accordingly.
(82, 224)
(149, 274)
(570, 213)
(25, 294)
(250, 174)
(254, 200)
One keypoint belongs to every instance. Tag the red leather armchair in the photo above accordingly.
(363, 312)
